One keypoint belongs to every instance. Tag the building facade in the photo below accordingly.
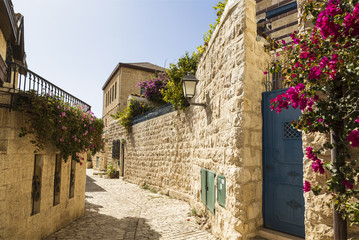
(121, 83)
(116, 90)
(39, 192)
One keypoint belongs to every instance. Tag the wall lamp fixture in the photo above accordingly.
(189, 83)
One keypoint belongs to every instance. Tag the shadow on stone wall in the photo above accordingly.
(91, 186)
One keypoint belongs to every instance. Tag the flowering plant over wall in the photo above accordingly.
(153, 87)
(321, 67)
(71, 129)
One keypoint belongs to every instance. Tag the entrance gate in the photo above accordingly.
(283, 202)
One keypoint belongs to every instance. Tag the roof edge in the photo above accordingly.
(120, 64)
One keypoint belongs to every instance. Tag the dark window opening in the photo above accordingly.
(57, 180)
(36, 185)
(72, 179)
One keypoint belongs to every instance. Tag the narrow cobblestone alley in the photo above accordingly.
(119, 210)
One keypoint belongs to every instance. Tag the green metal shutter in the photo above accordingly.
(221, 190)
(203, 185)
(211, 191)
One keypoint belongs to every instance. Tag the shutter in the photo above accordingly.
(211, 195)
(221, 190)
(203, 185)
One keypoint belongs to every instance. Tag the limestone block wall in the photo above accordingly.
(16, 173)
(168, 152)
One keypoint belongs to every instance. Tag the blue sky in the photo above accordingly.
(76, 44)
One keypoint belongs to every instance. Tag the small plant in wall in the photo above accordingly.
(110, 171)
(50, 120)
(321, 66)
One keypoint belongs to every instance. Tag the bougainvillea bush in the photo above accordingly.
(321, 66)
(153, 87)
(50, 120)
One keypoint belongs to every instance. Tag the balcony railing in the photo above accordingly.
(21, 79)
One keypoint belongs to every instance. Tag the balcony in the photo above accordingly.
(20, 79)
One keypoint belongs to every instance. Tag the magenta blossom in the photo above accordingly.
(353, 138)
(306, 187)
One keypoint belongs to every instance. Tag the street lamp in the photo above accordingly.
(189, 83)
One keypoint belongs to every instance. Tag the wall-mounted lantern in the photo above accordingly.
(189, 83)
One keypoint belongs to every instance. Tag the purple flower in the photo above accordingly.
(348, 184)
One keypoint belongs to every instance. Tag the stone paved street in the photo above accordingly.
(119, 210)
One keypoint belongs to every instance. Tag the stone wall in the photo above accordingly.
(16, 173)
(168, 152)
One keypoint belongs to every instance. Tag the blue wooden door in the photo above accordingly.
(283, 202)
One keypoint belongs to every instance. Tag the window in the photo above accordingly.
(208, 196)
(36, 185)
(115, 90)
(113, 93)
(110, 95)
(57, 180)
(142, 91)
(97, 162)
(116, 145)
(72, 179)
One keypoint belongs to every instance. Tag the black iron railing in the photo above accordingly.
(274, 81)
(21, 79)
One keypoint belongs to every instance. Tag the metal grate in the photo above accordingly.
(274, 82)
(289, 131)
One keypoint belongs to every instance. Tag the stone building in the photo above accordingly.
(39, 193)
(233, 160)
(116, 90)
(121, 83)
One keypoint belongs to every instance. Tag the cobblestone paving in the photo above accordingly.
(119, 210)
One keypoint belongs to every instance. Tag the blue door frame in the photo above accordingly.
(283, 201)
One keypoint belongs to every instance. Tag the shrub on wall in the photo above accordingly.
(71, 129)
(133, 109)
(173, 92)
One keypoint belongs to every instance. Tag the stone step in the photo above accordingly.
(275, 235)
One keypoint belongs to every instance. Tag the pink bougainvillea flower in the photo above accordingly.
(63, 114)
(357, 120)
(58, 107)
(265, 72)
(306, 187)
(318, 166)
(320, 120)
(353, 138)
(61, 139)
(347, 184)
(315, 73)
(64, 128)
